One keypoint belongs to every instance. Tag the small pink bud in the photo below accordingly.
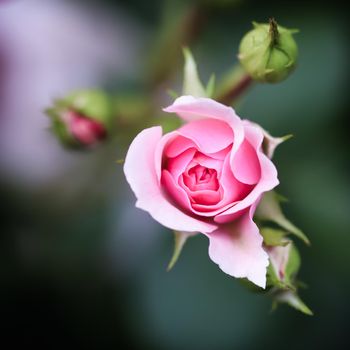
(85, 130)
(82, 119)
(279, 257)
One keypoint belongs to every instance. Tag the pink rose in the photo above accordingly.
(208, 176)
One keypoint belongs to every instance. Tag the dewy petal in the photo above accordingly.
(268, 179)
(140, 172)
(237, 249)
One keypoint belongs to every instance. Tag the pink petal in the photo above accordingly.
(178, 145)
(208, 162)
(231, 191)
(206, 197)
(234, 190)
(178, 165)
(245, 164)
(175, 192)
(140, 172)
(237, 249)
(190, 108)
(210, 135)
(268, 179)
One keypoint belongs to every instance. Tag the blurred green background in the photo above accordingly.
(80, 266)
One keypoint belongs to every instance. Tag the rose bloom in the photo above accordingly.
(208, 177)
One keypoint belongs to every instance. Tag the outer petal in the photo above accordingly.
(237, 249)
(140, 172)
(190, 108)
(245, 164)
(267, 181)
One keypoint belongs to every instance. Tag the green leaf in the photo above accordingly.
(210, 89)
(180, 240)
(269, 210)
(293, 300)
(274, 237)
(192, 84)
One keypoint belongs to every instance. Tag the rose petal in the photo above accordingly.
(231, 191)
(178, 145)
(267, 181)
(208, 162)
(245, 164)
(206, 197)
(237, 249)
(178, 165)
(210, 135)
(140, 172)
(234, 190)
(190, 108)
(175, 192)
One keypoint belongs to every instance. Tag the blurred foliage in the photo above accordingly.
(83, 267)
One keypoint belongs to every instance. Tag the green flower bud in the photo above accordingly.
(268, 52)
(82, 119)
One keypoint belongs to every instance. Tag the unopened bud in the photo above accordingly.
(284, 264)
(268, 52)
(82, 119)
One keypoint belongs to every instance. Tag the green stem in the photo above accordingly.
(234, 86)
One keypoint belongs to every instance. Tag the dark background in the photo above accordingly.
(80, 266)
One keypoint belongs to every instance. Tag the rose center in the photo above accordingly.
(201, 178)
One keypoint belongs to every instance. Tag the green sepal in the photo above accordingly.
(94, 104)
(270, 143)
(293, 265)
(269, 210)
(292, 299)
(180, 239)
(274, 237)
(210, 88)
(59, 128)
(192, 84)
